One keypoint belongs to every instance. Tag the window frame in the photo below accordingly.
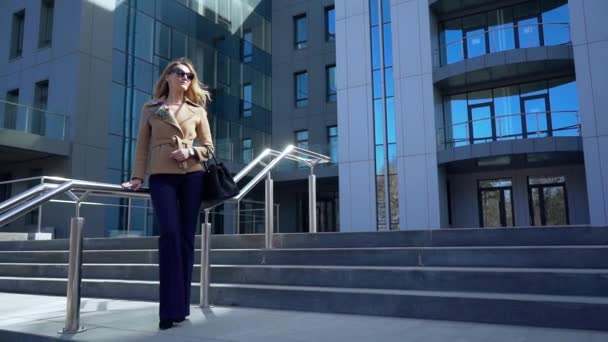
(45, 28)
(329, 36)
(300, 44)
(247, 105)
(247, 56)
(330, 96)
(300, 102)
(17, 38)
(502, 208)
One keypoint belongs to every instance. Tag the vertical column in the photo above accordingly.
(355, 117)
(590, 43)
(415, 116)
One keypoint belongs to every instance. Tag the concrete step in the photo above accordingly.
(571, 282)
(572, 235)
(535, 310)
(528, 256)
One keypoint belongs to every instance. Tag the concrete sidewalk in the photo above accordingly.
(39, 318)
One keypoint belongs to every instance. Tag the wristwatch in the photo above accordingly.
(191, 152)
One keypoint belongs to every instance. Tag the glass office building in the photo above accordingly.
(229, 44)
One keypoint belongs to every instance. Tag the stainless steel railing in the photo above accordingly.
(79, 190)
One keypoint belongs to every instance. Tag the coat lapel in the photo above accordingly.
(186, 111)
(170, 120)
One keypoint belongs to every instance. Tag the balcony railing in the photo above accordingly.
(479, 42)
(509, 127)
(32, 120)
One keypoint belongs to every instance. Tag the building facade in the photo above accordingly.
(494, 109)
(436, 113)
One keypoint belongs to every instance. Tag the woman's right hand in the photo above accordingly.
(134, 184)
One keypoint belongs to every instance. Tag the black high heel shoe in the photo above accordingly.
(165, 324)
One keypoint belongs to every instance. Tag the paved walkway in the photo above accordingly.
(39, 318)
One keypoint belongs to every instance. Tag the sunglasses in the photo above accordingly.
(181, 73)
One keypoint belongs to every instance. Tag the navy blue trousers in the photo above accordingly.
(176, 199)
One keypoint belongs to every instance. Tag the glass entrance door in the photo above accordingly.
(495, 203)
(548, 201)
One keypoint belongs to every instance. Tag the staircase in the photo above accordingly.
(554, 277)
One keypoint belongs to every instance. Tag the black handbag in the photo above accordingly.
(218, 184)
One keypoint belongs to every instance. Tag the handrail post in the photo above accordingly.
(72, 319)
(268, 211)
(312, 202)
(204, 269)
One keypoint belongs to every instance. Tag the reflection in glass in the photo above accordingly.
(536, 117)
(500, 30)
(554, 15)
(481, 117)
(495, 203)
(476, 43)
(528, 33)
(548, 201)
(301, 89)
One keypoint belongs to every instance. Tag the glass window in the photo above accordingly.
(332, 143)
(144, 36)
(527, 15)
(41, 97)
(330, 76)
(330, 24)
(17, 34)
(388, 46)
(556, 28)
(390, 120)
(302, 142)
(247, 150)
(302, 139)
(162, 45)
(563, 101)
(474, 31)
(375, 48)
(507, 111)
(501, 31)
(301, 89)
(247, 47)
(46, 23)
(379, 122)
(247, 104)
(452, 42)
(300, 31)
(388, 81)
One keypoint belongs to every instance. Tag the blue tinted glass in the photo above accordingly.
(379, 121)
(301, 29)
(331, 22)
(564, 107)
(456, 120)
(507, 110)
(302, 86)
(143, 76)
(502, 37)
(331, 82)
(373, 12)
(451, 42)
(535, 110)
(390, 119)
(481, 96)
(380, 161)
(556, 29)
(388, 46)
(377, 84)
(386, 11)
(144, 36)
(528, 33)
(388, 80)
(120, 27)
(375, 48)
(482, 123)
(476, 43)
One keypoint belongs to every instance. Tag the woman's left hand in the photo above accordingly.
(180, 155)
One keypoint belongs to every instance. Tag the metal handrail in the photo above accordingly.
(79, 190)
(443, 47)
(290, 152)
(467, 124)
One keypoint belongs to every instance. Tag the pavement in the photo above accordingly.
(39, 318)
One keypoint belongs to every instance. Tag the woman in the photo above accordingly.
(167, 128)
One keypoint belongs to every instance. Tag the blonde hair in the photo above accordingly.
(196, 93)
